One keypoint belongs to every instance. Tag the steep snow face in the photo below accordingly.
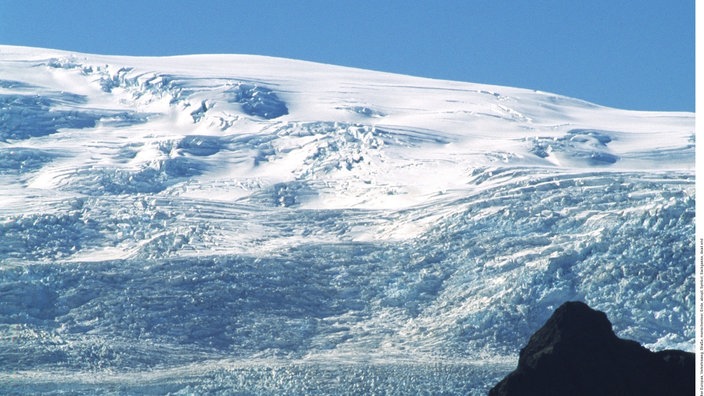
(265, 215)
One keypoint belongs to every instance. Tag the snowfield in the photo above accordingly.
(233, 223)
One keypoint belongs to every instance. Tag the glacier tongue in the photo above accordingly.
(273, 219)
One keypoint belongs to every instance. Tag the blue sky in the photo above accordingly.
(636, 54)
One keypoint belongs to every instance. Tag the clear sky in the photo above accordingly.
(632, 54)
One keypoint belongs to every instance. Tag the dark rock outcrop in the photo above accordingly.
(577, 353)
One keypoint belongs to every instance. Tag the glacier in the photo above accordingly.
(245, 224)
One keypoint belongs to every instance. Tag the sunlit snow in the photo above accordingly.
(232, 223)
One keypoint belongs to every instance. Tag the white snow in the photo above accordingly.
(159, 212)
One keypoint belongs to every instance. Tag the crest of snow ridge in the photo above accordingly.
(28, 113)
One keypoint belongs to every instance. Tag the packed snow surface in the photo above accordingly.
(233, 223)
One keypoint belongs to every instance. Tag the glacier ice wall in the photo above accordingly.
(286, 224)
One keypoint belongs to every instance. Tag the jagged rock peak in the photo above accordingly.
(576, 352)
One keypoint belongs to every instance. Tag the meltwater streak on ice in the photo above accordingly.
(220, 223)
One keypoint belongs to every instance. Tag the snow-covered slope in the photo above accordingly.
(213, 220)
